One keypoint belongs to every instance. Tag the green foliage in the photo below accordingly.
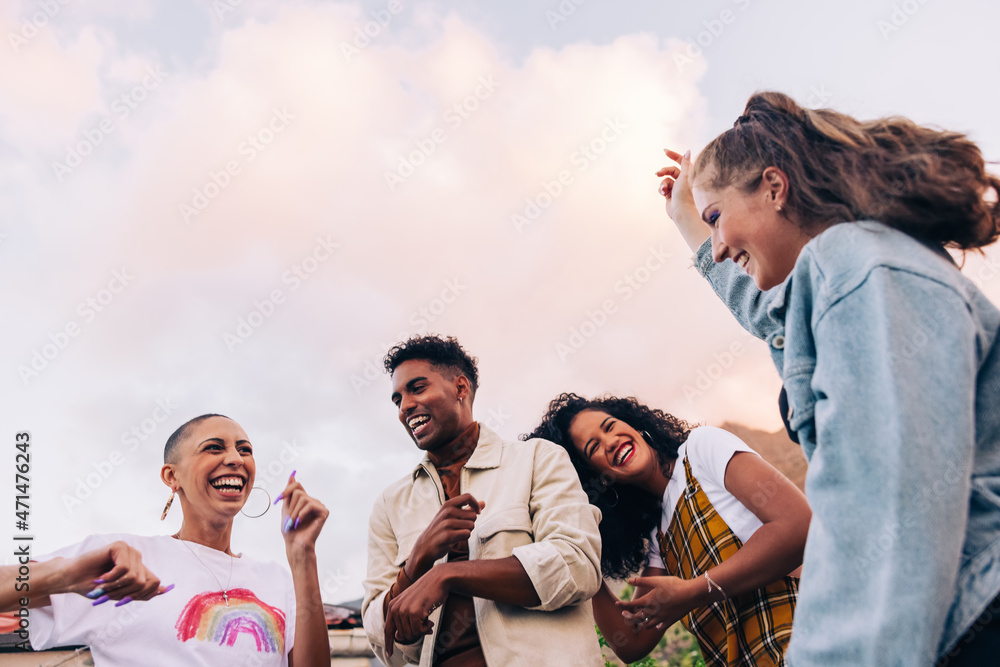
(645, 662)
(677, 648)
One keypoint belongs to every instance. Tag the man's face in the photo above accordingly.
(428, 403)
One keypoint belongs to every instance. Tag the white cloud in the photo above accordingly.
(595, 116)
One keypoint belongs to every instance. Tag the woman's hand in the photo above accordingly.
(668, 601)
(676, 188)
(302, 517)
(115, 572)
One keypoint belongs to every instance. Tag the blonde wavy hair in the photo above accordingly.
(929, 183)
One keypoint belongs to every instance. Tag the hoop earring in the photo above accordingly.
(166, 508)
(267, 506)
(647, 436)
(615, 503)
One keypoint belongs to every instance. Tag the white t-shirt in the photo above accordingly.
(709, 450)
(189, 625)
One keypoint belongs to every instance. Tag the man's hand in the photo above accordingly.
(406, 620)
(451, 526)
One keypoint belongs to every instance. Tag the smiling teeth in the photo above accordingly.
(228, 482)
(623, 453)
(417, 422)
(742, 260)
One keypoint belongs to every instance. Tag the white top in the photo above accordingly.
(189, 625)
(709, 450)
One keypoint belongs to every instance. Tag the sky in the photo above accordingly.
(238, 206)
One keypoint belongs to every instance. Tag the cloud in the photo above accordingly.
(287, 208)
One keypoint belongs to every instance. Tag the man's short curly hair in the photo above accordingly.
(440, 353)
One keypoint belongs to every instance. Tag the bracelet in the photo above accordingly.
(711, 583)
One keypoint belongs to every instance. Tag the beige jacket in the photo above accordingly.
(536, 511)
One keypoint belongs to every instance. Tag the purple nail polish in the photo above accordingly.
(98, 581)
(293, 474)
(96, 593)
(100, 600)
(278, 499)
(296, 523)
(288, 525)
(168, 588)
(124, 600)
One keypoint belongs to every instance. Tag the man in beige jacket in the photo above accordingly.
(488, 552)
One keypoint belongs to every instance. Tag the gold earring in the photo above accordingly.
(167, 507)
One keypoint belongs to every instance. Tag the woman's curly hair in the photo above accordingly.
(931, 184)
(629, 514)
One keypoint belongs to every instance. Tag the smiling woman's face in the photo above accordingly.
(612, 447)
(215, 467)
(749, 228)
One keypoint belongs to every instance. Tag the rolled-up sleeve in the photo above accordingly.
(889, 479)
(564, 562)
(382, 571)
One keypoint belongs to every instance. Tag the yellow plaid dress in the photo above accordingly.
(749, 629)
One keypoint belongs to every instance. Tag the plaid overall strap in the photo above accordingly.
(749, 629)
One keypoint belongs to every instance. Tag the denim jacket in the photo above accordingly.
(891, 362)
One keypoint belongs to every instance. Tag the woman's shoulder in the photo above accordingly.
(705, 438)
(709, 450)
(842, 257)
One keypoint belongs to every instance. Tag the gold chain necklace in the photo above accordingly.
(225, 589)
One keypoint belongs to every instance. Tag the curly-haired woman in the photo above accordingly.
(837, 232)
(716, 529)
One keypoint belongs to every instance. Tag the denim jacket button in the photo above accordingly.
(778, 342)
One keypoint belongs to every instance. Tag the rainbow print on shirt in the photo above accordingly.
(207, 618)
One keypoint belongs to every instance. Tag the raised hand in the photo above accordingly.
(451, 526)
(302, 516)
(676, 188)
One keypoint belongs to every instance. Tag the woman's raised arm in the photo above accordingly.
(304, 517)
(676, 188)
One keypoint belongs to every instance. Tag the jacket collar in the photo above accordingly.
(778, 298)
(487, 455)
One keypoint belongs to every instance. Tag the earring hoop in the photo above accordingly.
(166, 507)
(267, 505)
(615, 503)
